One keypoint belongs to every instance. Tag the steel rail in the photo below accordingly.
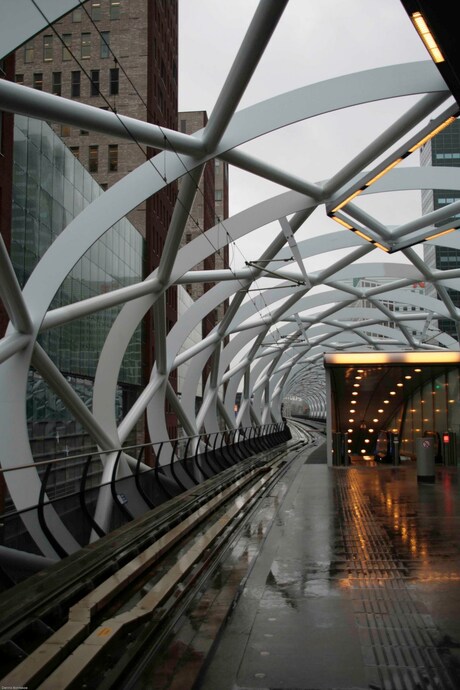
(170, 527)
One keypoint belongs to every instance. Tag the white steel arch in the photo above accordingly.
(266, 347)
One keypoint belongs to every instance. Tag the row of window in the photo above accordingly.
(96, 11)
(447, 156)
(75, 82)
(86, 40)
(93, 157)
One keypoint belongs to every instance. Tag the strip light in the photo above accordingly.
(366, 358)
(439, 234)
(347, 200)
(427, 37)
(365, 237)
(432, 134)
(383, 172)
(341, 222)
(382, 247)
(394, 163)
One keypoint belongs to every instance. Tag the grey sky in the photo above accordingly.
(313, 41)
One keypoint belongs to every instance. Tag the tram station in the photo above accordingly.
(229, 345)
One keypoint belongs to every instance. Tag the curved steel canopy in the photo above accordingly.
(270, 346)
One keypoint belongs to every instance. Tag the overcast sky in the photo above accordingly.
(313, 41)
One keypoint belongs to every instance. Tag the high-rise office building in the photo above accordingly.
(442, 150)
(120, 56)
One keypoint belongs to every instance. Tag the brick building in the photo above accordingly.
(120, 56)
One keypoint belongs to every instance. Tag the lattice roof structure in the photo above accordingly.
(271, 344)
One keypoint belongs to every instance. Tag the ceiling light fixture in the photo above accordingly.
(427, 37)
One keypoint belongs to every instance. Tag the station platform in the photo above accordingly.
(352, 581)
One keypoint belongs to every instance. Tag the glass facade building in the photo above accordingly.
(443, 150)
(50, 188)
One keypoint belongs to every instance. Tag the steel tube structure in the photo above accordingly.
(270, 342)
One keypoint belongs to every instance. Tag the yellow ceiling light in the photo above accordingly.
(425, 357)
(383, 172)
(363, 235)
(400, 385)
(342, 222)
(427, 37)
(347, 200)
(380, 411)
(381, 246)
(432, 134)
(440, 234)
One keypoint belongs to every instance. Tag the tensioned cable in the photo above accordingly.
(133, 138)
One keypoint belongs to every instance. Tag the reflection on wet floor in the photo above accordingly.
(357, 586)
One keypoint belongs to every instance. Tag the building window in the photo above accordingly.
(75, 85)
(29, 52)
(47, 47)
(95, 84)
(183, 126)
(65, 130)
(113, 157)
(85, 46)
(93, 159)
(115, 9)
(96, 11)
(105, 43)
(218, 195)
(38, 81)
(84, 133)
(19, 79)
(114, 83)
(76, 151)
(76, 16)
(67, 39)
(56, 84)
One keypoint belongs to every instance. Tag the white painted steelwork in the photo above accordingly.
(269, 346)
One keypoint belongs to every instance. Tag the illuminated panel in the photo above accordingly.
(427, 37)
(347, 200)
(439, 234)
(364, 358)
(432, 134)
(342, 222)
(383, 172)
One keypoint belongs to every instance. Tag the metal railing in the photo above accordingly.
(142, 477)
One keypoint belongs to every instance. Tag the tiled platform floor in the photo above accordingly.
(357, 586)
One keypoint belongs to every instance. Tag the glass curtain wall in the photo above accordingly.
(433, 408)
(50, 188)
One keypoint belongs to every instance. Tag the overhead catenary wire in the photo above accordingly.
(149, 160)
(186, 170)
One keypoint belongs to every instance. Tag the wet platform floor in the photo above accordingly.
(356, 585)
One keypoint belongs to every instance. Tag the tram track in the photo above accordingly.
(132, 609)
